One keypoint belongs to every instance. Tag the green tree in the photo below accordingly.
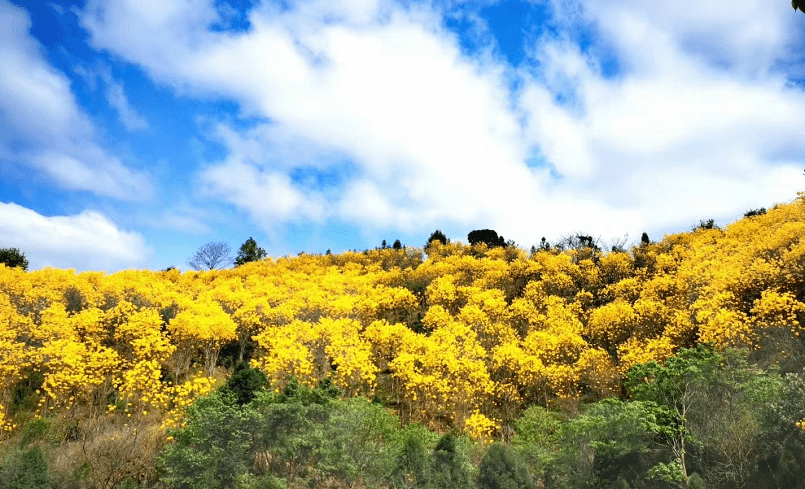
(448, 467)
(411, 470)
(13, 257)
(487, 236)
(244, 383)
(798, 4)
(214, 449)
(612, 440)
(437, 236)
(501, 468)
(675, 385)
(249, 252)
(720, 413)
(538, 435)
(30, 471)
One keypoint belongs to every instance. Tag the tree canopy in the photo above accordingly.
(437, 236)
(13, 257)
(211, 256)
(487, 236)
(249, 252)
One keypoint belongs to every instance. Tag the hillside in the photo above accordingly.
(456, 337)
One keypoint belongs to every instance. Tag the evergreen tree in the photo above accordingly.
(31, 473)
(437, 236)
(244, 382)
(411, 470)
(13, 257)
(488, 236)
(501, 468)
(448, 468)
(249, 252)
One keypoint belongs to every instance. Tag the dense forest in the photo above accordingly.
(677, 363)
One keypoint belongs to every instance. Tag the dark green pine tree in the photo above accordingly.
(437, 235)
(501, 468)
(31, 473)
(447, 466)
(13, 257)
(244, 382)
(249, 252)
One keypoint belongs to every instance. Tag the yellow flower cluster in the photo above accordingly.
(481, 428)
(460, 338)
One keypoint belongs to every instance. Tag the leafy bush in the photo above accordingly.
(448, 466)
(244, 382)
(501, 468)
(299, 434)
(26, 470)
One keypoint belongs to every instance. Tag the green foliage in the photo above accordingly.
(36, 429)
(26, 470)
(670, 384)
(299, 434)
(249, 252)
(502, 468)
(448, 466)
(411, 469)
(486, 236)
(537, 438)
(13, 257)
(723, 418)
(755, 212)
(671, 472)
(695, 481)
(437, 236)
(613, 439)
(214, 448)
(244, 382)
(705, 224)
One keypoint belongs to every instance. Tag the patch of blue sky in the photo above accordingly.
(55, 23)
(234, 15)
(514, 24)
(508, 28)
(329, 180)
(536, 159)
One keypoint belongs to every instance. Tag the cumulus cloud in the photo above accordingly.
(42, 126)
(85, 241)
(698, 120)
(679, 133)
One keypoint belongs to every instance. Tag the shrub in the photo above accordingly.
(501, 468)
(448, 467)
(28, 471)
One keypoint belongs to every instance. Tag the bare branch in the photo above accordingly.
(211, 256)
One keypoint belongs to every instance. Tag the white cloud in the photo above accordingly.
(270, 197)
(697, 124)
(677, 136)
(42, 126)
(85, 241)
(117, 99)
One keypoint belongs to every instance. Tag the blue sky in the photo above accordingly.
(134, 131)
